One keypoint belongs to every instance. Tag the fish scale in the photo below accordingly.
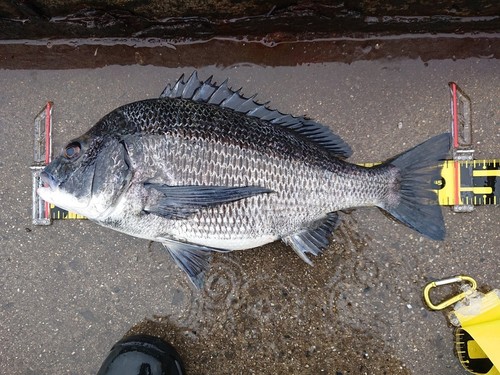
(291, 181)
(280, 176)
(204, 169)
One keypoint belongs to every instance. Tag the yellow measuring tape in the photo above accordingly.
(57, 213)
(462, 184)
(477, 318)
(469, 183)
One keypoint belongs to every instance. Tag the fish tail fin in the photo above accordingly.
(411, 198)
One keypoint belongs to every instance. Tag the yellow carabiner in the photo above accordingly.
(452, 300)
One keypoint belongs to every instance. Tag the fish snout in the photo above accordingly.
(49, 180)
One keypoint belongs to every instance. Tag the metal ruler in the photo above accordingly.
(464, 183)
(42, 155)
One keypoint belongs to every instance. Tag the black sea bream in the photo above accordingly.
(204, 169)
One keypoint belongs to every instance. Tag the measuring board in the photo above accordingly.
(464, 182)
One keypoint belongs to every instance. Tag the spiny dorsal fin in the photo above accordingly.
(222, 95)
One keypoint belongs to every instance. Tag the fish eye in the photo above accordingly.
(72, 150)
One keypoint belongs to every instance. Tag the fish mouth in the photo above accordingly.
(49, 180)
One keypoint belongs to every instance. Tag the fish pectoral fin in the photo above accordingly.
(180, 202)
(193, 259)
(314, 239)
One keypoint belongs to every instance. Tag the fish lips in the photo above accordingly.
(52, 182)
(50, 186)
(52, 192)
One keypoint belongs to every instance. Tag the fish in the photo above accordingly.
(205, 169)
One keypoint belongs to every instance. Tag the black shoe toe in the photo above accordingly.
(142, 355)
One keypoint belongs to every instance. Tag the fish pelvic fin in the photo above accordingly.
(193, 259)
(314, 239)
(411, 198)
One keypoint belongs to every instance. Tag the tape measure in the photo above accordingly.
(476, 317)
(464, 182)
(468, 183)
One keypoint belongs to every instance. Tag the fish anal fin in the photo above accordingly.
(313, 240)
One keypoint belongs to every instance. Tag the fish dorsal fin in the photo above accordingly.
(222, 95)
